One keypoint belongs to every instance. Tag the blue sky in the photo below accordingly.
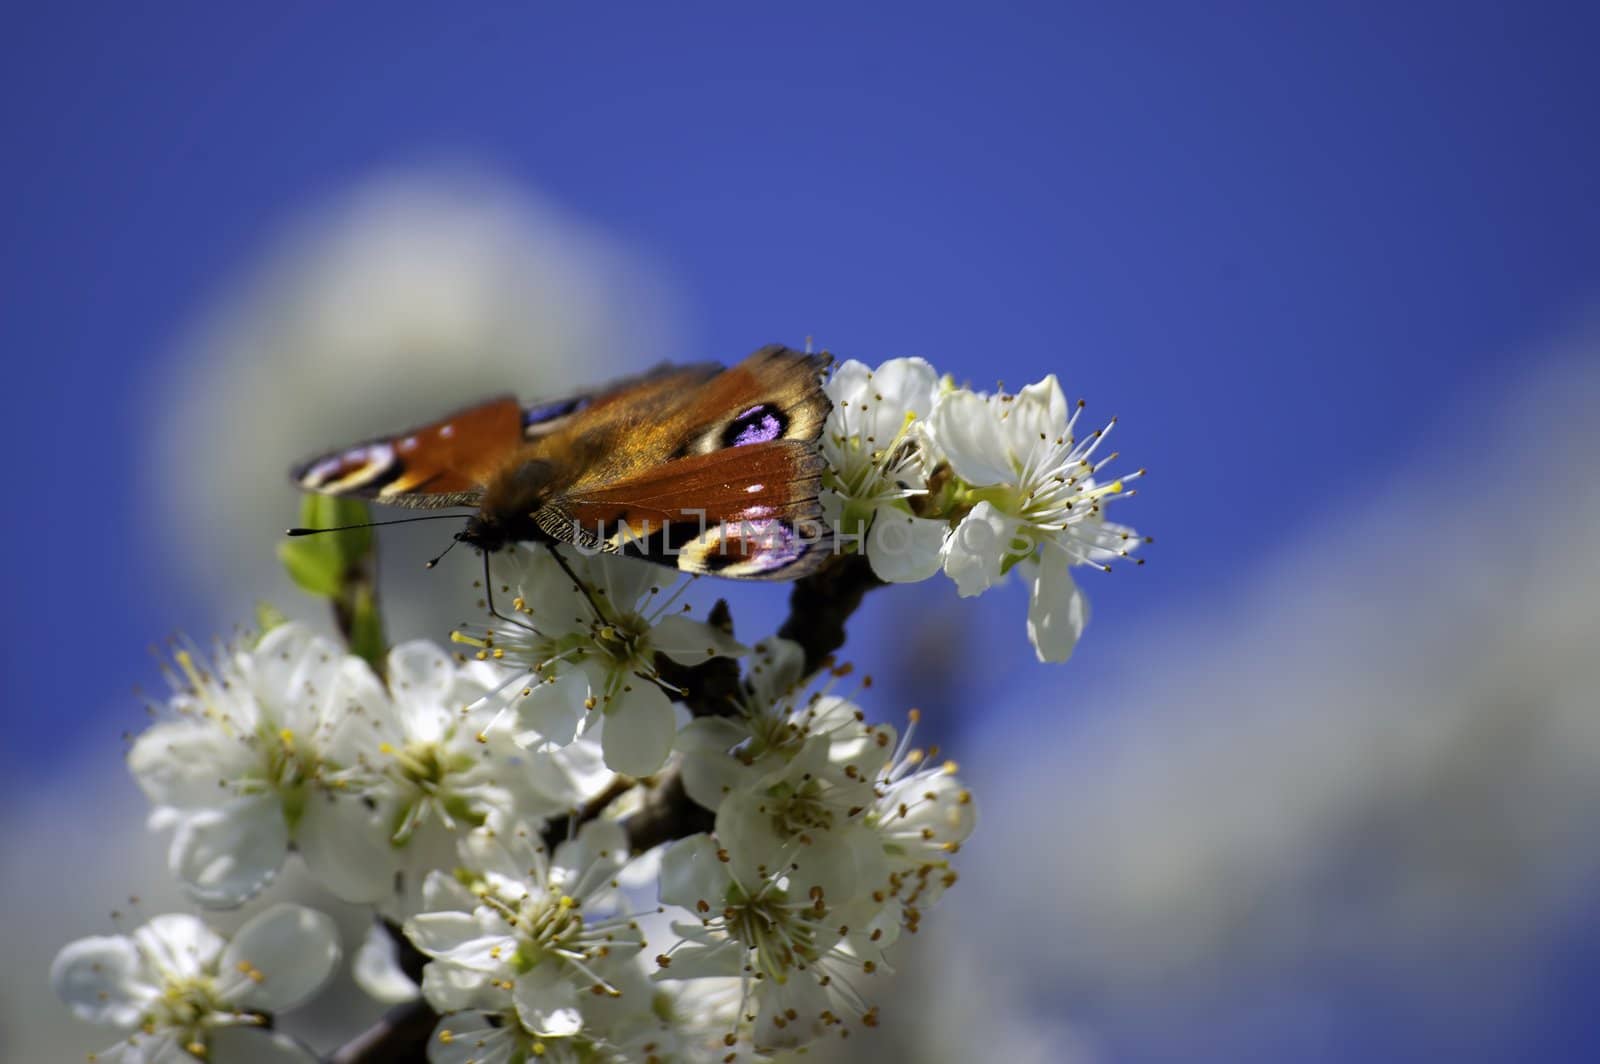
(1272, 239)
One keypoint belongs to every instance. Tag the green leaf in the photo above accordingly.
(318, 564)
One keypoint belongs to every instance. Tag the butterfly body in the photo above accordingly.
(703, 468)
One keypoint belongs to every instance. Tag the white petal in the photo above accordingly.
(552, 711)
(905, 385)
(778, 667)
(140, 1048)
(376, 968)
(460, 939)
(620, 583)
(965, 428)
(691, 642)
(974, 552)
(903, 549)
(421, 677)
(252, 1045)
(691, 872)
(546, 1003)
(226, 856)
(1036, 417)
(183, 763)
(639, 729)
(102, 980)
(293, 672)
(346, 845)
(598, 853)
(849, 382)
(450, 989)
(1057, 610)
(709, 770)
(470, 1038)
(179, 945)
(280, 957)
(698, 961)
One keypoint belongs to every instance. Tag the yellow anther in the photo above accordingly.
(287, 736)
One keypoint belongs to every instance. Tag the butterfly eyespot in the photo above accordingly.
(759, 424)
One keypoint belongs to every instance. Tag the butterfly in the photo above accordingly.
(705, 468)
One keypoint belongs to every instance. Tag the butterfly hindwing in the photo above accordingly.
(752, 513)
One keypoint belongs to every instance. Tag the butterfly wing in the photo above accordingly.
(445, 463)
(723, 479)
(450, 461)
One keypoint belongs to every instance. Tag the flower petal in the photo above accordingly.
(181, 762)
(691, 872)
(460, 939)
(546, 1002)
(903, 549)
(639, 729)
(709, 769)
(179, 945)
(280, 957)
(420, 678)
(969, 433)
(473, 1038)
(597, 854)
(252, 1045)
(695, 960)
(1057, 610)
(345, 844)
(552, 710)
(376, 968)
(975, 551)
(690, 642)
(224, 857)
(102, 980)
(293, 671)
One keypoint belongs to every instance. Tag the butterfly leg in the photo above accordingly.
(599, 614)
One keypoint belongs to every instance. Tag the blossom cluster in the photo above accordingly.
(486, 800)
(932, 476)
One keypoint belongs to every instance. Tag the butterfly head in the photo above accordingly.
(484, 532)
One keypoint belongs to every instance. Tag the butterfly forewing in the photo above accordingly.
(445, 463)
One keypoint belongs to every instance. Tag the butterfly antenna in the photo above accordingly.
(453, 541)
(376, 524)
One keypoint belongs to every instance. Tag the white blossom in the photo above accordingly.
(796, 951)
(921, 815)
(773, 721)
(241, 772)
(877, 455)
(1029, 494)
(186, 993)
(523, 934)
(585, 646)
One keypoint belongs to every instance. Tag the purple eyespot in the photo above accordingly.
(759, 424)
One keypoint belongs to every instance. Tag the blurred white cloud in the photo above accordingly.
(413, 293)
